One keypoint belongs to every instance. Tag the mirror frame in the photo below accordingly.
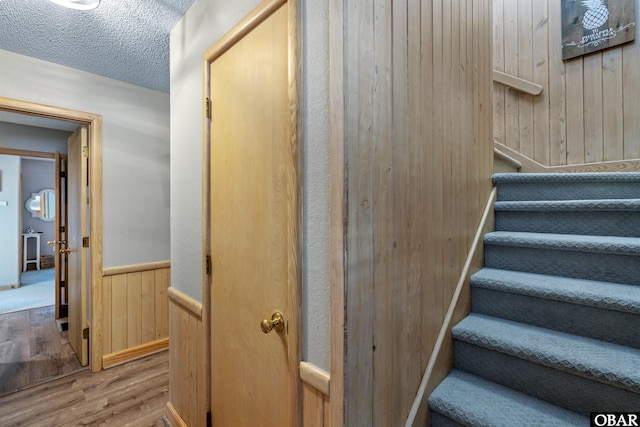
(38, 214)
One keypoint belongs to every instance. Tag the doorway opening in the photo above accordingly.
(86, 247)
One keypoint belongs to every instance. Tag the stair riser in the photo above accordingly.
(564, 389)
(568, 191)
(624, 224)
(583, 265)
(592, 322)
(439, 420)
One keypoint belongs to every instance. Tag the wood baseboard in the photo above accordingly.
(173, 418)
(129, 354)
(14, 286)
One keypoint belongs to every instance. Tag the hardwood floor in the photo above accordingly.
(33, 349)
(133, 394)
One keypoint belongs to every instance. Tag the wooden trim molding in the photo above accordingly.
(531, 166)
(27, 153)
(133, 353)
(173, 417)
(473, 257)
(242, 28)
(133, 268)
(517, 83)
(337, 213)
(315, 377)
(185, 301)
(94, 122)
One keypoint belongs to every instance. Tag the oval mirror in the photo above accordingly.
(42, 205)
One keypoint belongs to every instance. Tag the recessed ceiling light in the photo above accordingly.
(78, 4)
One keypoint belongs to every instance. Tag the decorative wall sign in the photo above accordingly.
(592, 25)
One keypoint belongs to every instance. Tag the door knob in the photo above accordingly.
(276, 322)
(65, 251)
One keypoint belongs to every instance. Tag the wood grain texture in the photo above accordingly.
(133, 394)
(411, 128)
(135, 311)
(188, 366)
(265, 173)
(315, 377)
(441, 359)
(33, 349)
(588, 110)
(337, 213)
(315, 407)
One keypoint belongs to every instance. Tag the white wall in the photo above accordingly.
(135, 150)
(23, 137)
(204, 23)
(9, 219)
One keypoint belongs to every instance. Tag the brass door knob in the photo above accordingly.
(65, 251)
(276, 322)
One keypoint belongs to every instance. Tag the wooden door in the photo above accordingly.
(253, 231)
(60, 237)
(77, 255)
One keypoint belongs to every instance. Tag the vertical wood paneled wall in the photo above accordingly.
(588, 111)
(417, 113)
(135, 311)
(316, 405)
(188, 397)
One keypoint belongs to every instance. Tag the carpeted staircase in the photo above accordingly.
(554, 332)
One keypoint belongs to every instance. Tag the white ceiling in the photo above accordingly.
(127, 40)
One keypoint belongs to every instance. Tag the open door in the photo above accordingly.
(60, 241)
(253, 226)
(77, 205)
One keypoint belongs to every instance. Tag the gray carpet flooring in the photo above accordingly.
(37, 290)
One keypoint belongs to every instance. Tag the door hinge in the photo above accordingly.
(85, 151)
(207, 264)
(209, 421)
(207, 108)
(85, 242)
(85, 333)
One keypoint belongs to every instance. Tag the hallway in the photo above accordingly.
(133, 394)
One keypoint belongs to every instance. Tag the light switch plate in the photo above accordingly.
(4, 203)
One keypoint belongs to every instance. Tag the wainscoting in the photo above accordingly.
(188, 397)
(316, 409)
(135, 311)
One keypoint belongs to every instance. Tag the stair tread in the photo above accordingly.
(605, 205)
(606, 362)
(502, 178)
(574, 242)
(468, 399)
(607, 295)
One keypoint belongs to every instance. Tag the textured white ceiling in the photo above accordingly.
(127, 40)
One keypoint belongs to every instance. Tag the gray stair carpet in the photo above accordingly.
(555, 321)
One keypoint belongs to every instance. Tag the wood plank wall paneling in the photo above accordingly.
(316, 406)
(588, 111)
(418, 148)
(135, 308)
(187, 387)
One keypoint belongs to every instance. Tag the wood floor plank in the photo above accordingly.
(33, 349)
(132, 394)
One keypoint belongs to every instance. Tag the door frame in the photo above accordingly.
(294, 188)
(94, 124)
